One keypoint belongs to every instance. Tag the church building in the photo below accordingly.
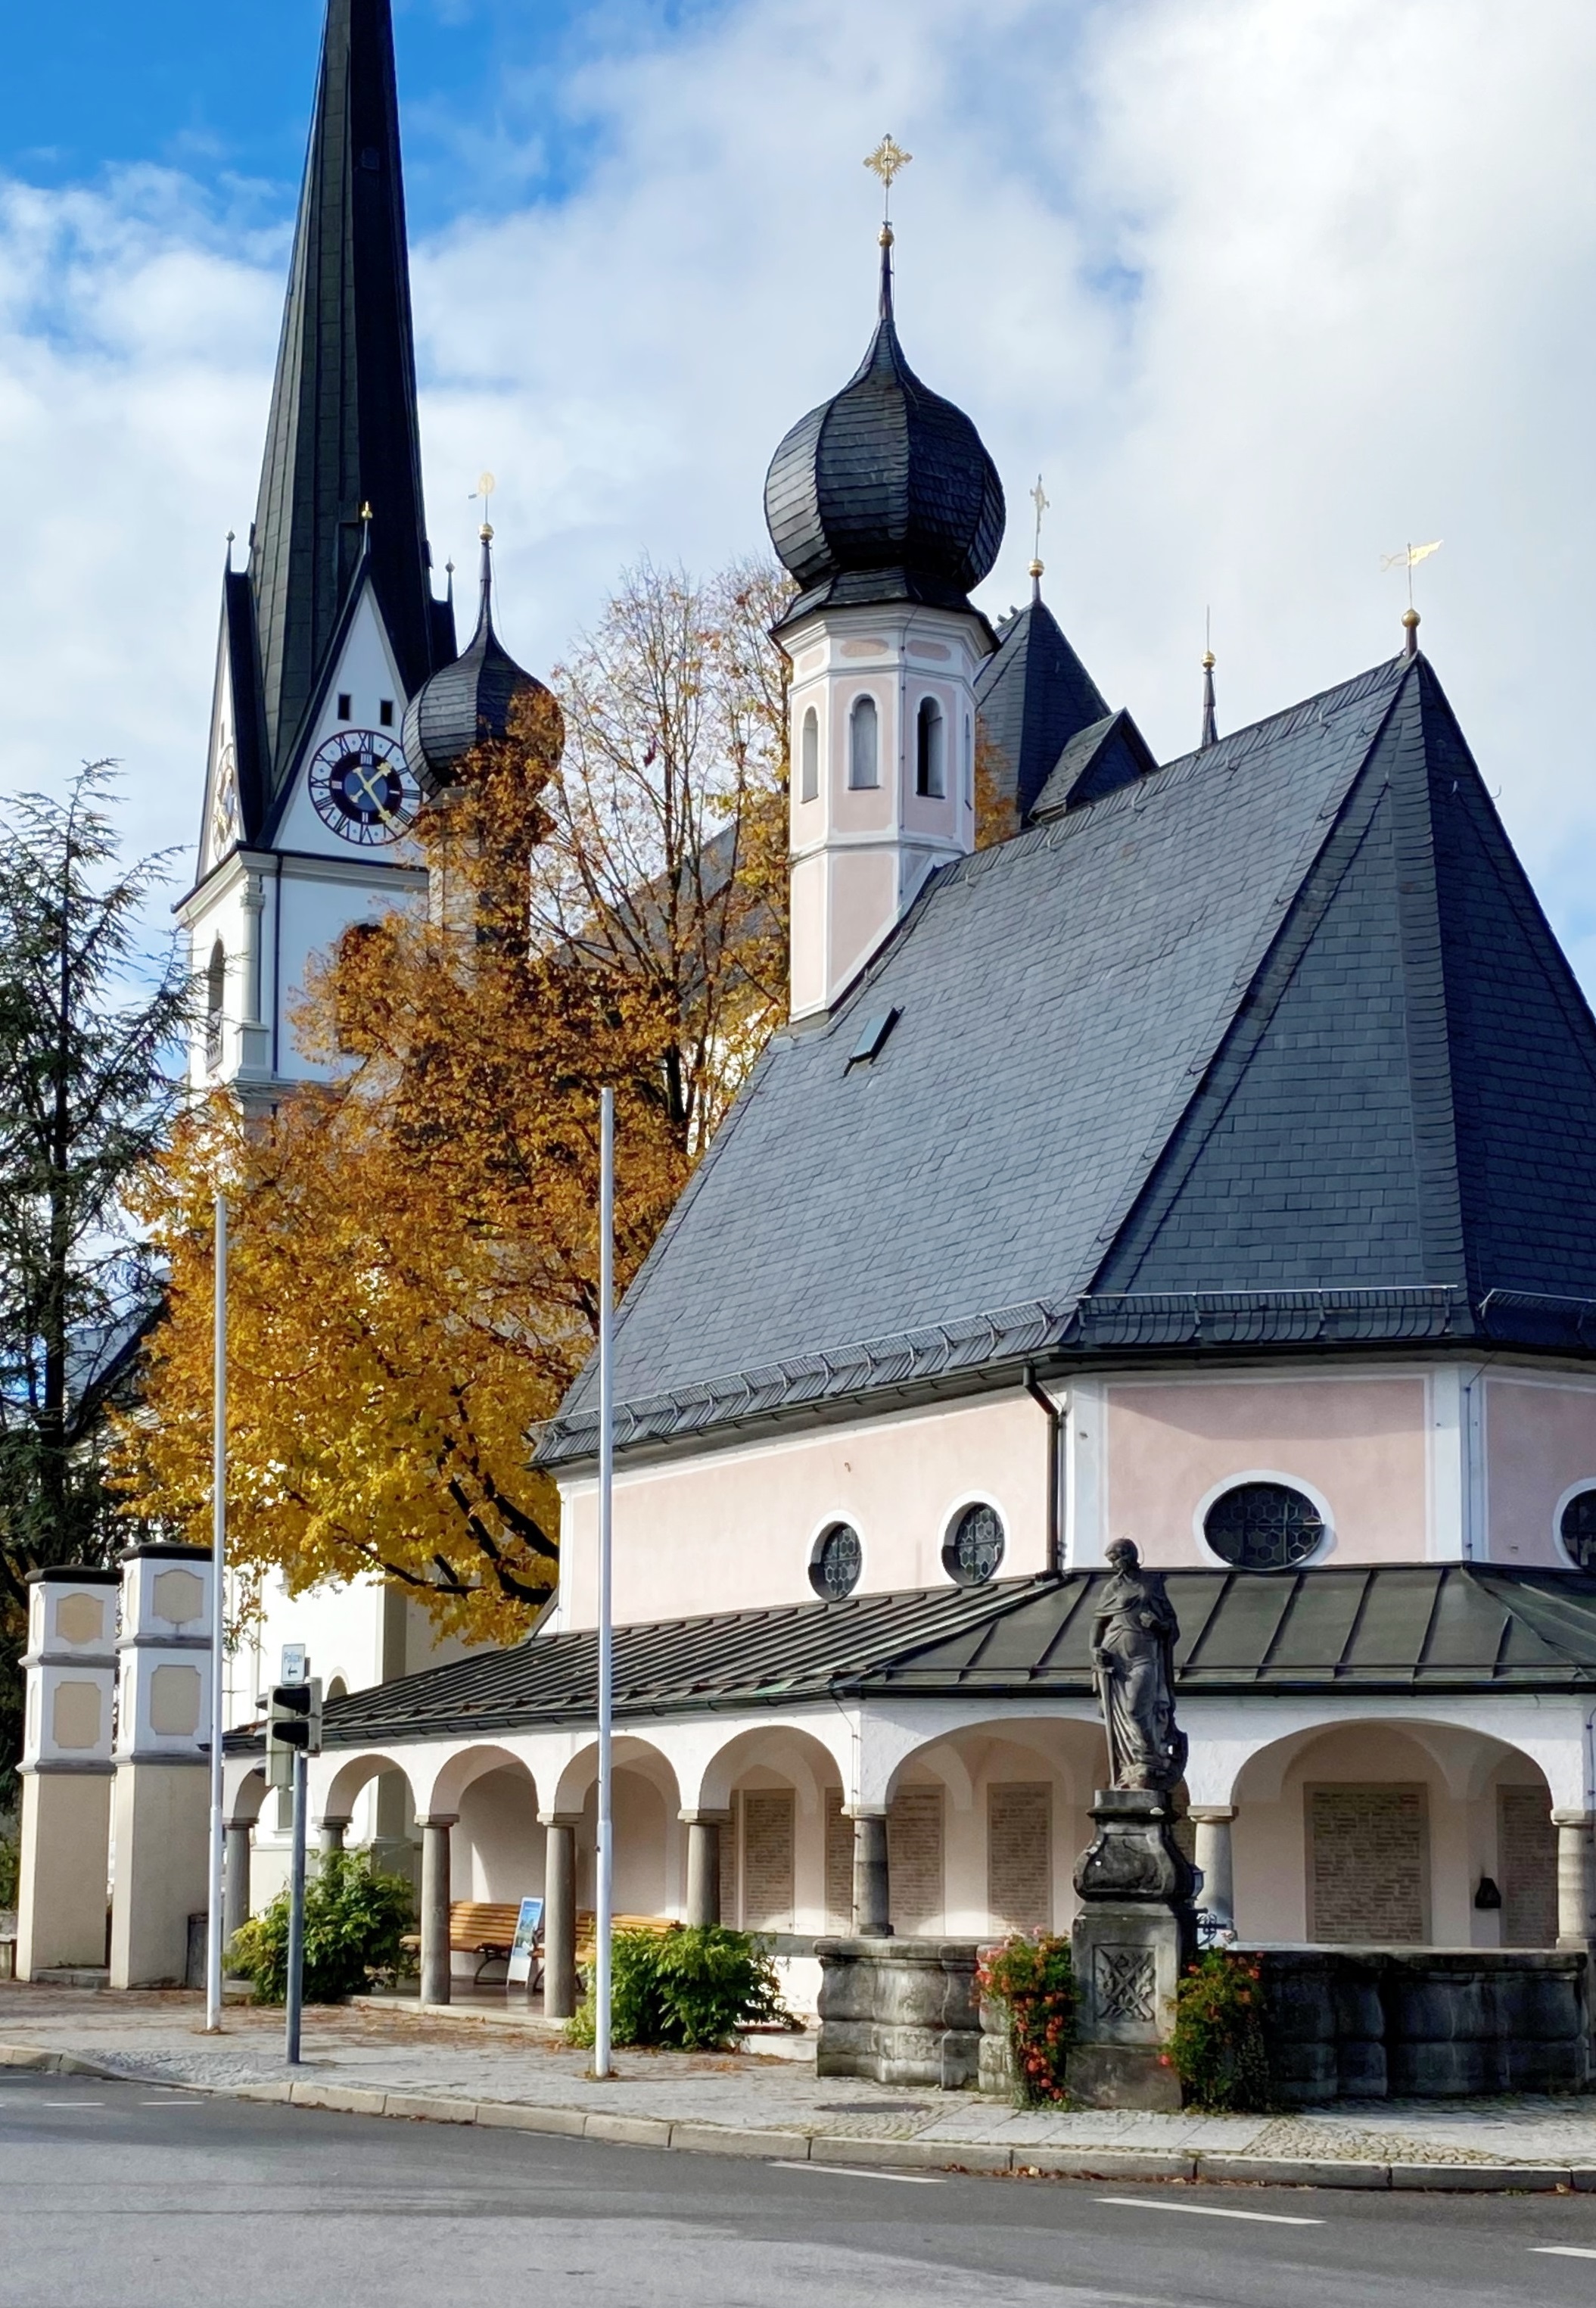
(1209, 1162)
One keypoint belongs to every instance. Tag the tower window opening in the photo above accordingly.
(969, 766)
(930, 772)
(862, 745)
(808, 758)
(385, 712)
(346, 706)
(216, 987)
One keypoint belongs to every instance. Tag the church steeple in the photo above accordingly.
(343, 431)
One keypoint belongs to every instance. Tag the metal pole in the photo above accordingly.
(219, 1554)
(603, 2064)
(295, 1998)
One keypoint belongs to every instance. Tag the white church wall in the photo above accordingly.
(735, 1528)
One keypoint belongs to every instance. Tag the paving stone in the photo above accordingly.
(420, 2109)
(631, 2131)
(1534, 2176)
(1296, 2172)
(342, 2097)
(938, 2155)
(716, 2140)
(1103, 2164)
(569, 2122)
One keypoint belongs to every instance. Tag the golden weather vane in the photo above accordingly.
(887, 161)
(1041, 500)
(1408, 559)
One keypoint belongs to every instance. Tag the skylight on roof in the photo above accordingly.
(872, 1037)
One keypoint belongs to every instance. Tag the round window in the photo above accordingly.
(835, 1566)
(1578, 1529)
(974, 1546)
(1263, 1527)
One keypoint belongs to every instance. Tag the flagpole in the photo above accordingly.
(219, 1549)
(602, 2063)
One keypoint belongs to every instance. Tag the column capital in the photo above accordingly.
(1211, 1815)
(706, 1818)
(439, 1819)
(559, 1819)
(1571, 1817)
(343, 1818)
(864, 1810)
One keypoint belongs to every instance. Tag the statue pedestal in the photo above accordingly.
(1134, 1935)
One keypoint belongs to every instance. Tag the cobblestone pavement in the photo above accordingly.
(160, 2036)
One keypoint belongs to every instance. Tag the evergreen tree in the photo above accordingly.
(90, 1034)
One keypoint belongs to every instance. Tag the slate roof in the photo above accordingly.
(885, 492)
(1274, 1045)
(1033, 696)
(1390, 1629)
(343, 430)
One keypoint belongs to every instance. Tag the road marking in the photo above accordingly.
(1211, 2212)
(860, 2172)
(71, 2103)
(1565, 2251)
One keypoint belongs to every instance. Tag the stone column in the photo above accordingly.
(559, 1914)
(1218, 1894)
(70, 1675)
(161, 1823)
(1574, 1923)
(235, 1850)
(329, 1833)
(436, 1967)
(872, 1889)
(703, 1864)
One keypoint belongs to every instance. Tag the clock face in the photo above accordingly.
(224, 818)
(361, 787)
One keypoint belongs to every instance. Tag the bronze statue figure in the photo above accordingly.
(1133, 1645)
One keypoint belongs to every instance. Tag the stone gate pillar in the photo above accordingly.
(71, 1677)
(161, 1808)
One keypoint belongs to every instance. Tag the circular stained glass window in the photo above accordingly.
(1578, 1529)
(974, 1546)
(1263, 1527)
(835, 1566)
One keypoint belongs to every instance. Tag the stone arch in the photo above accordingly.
(457, 1773)
(810, 1762)
(354, 1773)
(1389, 1828)
(629, 1752)
(245, 1800)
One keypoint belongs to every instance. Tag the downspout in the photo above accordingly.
(1055, 1427)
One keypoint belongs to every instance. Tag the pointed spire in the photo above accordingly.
(343, 434)
(484, 616)
(885, 307)
(1210, 735)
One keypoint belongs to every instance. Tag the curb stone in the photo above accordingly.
(840, 2149)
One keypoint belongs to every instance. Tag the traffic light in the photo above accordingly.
(293, 1726)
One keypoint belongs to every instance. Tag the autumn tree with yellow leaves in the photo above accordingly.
(412, 1249)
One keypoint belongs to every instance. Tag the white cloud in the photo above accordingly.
(1264, 291)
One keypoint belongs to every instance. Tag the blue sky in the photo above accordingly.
(220, 92)
(1263, 290)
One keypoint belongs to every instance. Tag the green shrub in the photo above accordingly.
(687, 1990)
(1219, 2049)
(1033, 1979)
(354, 1922)
(10, 1867)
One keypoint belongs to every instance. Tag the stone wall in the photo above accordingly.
(1377, 2023)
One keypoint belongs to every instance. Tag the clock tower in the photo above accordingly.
(331, 628)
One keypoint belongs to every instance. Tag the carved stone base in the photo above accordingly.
(1133, 1936)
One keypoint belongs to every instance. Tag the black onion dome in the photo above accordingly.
(886, 492)
(469, 700)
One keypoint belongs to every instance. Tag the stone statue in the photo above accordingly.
(1133, 1643)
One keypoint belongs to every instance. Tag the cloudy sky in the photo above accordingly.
(1263, 290)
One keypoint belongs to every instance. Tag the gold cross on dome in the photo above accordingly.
(885, 161)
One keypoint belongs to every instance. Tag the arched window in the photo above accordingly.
(930, 769)
(808, 758)
(1576, 1527)
(838, 1560)
(973, 1547)
(1263, 1527)
(862, 769)
(216, 991)
(350, 983)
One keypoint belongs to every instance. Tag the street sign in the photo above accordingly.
(295, 1664)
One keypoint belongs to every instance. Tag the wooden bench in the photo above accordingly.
(484, 1928)
(586, 1946)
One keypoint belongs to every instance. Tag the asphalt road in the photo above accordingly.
(127, 2196)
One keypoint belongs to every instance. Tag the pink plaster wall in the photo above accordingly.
(732, 1530)
(1539, 1441)
(1360, 1443)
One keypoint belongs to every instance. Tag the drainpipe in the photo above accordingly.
(1055, 1425)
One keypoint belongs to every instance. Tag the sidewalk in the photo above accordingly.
(456, 2070)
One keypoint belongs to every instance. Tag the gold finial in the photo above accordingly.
(366, 510)
(1041, 500)
(486, 532)
(887, 161)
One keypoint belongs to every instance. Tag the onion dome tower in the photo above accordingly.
(472, 700)
(886, 508)
(885, 492)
